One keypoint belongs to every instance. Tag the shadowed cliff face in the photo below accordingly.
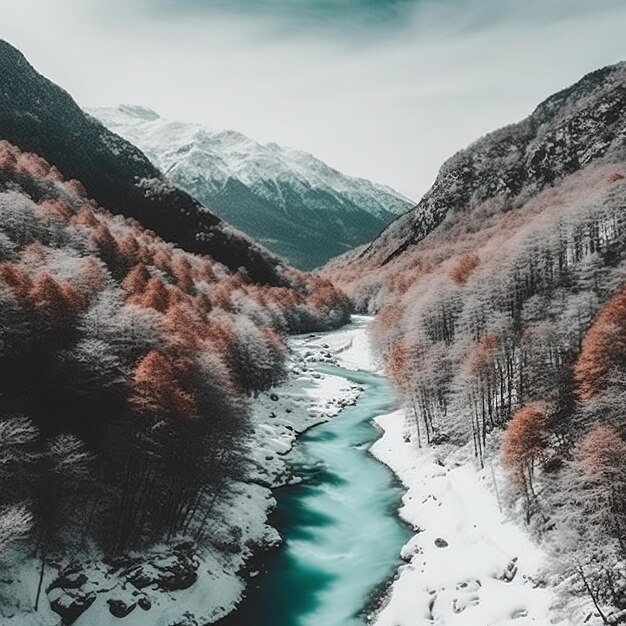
(568, 131)
(38, 116)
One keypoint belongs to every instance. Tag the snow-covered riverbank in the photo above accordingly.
(466, 564)
(240, 534)
(469, 565)
(306, 398)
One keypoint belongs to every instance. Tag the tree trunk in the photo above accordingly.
(579, 569)
(42, 568)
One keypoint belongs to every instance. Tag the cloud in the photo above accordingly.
(324, 17)
(385, 90)
(375, 19)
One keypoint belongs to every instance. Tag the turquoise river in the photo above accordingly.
(342, 536)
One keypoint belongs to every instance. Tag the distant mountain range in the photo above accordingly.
(288, 200)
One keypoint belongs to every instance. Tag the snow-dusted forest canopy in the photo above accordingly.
(126, 364)
(501, 319)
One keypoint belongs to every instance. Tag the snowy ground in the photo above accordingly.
(468, 565)
(348, 347)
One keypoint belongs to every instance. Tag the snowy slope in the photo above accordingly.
(467, 564)
(290, 201)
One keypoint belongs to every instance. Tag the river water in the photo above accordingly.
(342, 536)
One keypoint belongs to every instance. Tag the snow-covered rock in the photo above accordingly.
(70, 605)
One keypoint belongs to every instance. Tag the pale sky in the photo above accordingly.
(386, 90)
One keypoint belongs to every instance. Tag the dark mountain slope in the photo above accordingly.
(40, 117)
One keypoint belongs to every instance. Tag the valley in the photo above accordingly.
(295, 205)
(342, 537)
(239, 387)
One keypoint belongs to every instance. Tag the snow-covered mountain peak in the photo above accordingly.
(232, 154)
(265, 189)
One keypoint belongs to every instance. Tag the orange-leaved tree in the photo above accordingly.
(464, 268)
(156, 388)
(604, 347)
(524, 443)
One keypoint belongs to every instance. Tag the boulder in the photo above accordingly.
(510, 571)
(70, 605)
(120, 608)
(70, 581)
(169, 572)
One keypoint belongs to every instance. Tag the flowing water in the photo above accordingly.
(342, 537)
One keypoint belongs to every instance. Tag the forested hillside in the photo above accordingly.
(126, 362)
(502, 320)
(40, 117)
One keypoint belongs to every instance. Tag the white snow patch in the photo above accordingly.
(485, 572)
(348, 347)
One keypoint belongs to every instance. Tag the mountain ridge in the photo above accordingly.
(40, 117)
(545, 157)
